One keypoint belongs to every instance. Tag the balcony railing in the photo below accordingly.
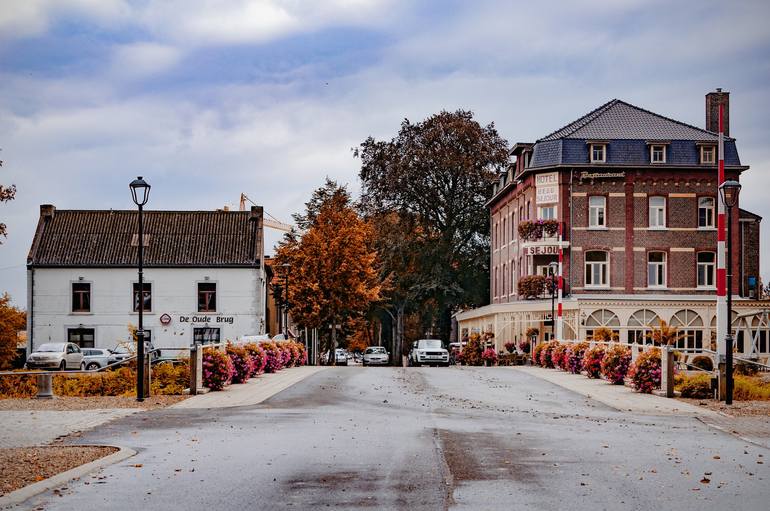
(535, 230)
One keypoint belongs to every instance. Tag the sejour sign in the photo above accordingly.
(547, 188)
(542, 250)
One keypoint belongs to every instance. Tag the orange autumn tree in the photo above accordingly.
(12, 319)
(333, 271)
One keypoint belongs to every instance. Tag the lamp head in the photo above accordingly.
(728, 191)
(140, 191)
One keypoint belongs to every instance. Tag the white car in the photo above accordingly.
(55, 355)
(375, 355)
(428, 352)
(95, 358)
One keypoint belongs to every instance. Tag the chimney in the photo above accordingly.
(713, 100)
(47, 211)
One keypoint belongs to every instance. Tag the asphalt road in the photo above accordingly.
(420, 438)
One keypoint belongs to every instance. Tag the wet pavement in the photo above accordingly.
(420, 438)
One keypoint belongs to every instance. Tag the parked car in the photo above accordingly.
(126, 350)
(428, 352)
(375, 355)
(55, 355)
(95, 358)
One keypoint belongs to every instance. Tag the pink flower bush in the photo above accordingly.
(574, 356)
(615, 364)
(510, 346)
(489, 355)
(258, 358)
(273, 357)
(558, 355)
(242, 363)
(546, 355)
(525, 346)
(645, 371)
(218, 369)
(592, 361)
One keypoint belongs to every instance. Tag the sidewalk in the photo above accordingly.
(252, 392)
(619, 397)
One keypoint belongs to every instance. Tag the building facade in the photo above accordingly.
(204, 277)
(635, 196)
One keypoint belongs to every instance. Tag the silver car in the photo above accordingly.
(95, 358)
(375, 355)
(56, 355)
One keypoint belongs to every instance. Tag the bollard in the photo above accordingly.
(196, 369)
(147, 371)
(667, 371)
(721, 379)
(45, 386)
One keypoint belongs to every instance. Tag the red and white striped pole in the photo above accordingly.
(559, 324)
(722, 315)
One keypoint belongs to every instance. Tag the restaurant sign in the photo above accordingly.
(207, 319)
(547, 188)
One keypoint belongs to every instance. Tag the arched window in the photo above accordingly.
(603, 318)
(597, 268)
(640, 324)
(690, 327)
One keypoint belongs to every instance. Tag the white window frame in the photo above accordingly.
(657, 209)
(599, 209)
(660, 270)
(712, 209)
(709, 267)
(710, 149)
(605, 273)
(603, 148)
(540, 210)
(653, 147)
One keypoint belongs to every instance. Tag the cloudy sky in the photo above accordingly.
(210, 98)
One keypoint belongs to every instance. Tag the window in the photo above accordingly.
(598, 153)
(603, 318)
(529, 210)
(597, 206)
(503, 279)
(513, 226)
(658, 154)
(205, 335)
(547, 213)
(597, 269)
(207, 297)
(495, 283)
(81, 297)
(504, 231)
(83, 337)
(147, 301)
(657, 212)
(706, 212)
(656, 269)
(706, 266)
(708, 155)
(690, 327)
(640, 326)
(513, 276)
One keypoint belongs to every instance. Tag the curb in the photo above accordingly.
(22, 494)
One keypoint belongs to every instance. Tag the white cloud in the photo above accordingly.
(24, 18)
(143, 59)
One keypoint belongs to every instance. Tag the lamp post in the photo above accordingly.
(553, 268)
(140, 193)
(728, 192)
(286, 267)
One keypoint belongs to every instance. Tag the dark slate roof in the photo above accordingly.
(618, 120)
(80, 238)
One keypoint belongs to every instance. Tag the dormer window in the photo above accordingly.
(657, 153)
(708, 155)
(598, 153)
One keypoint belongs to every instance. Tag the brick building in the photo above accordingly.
(635, 194)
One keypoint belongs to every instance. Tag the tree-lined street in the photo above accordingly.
(427, 438)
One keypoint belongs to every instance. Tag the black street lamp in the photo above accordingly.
(553, 268)
(140, 193)
(286, 267)
(728, 191)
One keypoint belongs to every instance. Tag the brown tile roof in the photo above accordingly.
(82, 238)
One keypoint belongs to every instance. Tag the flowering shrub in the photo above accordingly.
(286, 360)
(604, 334)
(645, 371)
(531, 230)
(217, 369)
(592, 361)
(558, 356)
(258, 358)
(489, 356)
(538, 353)
(472, 352)
(697, 386)
(510, 346)
(546, 356)
(525, 346)
(574, 357)
(531, 286)
(242, 363)
(615, 364)
(273, 357)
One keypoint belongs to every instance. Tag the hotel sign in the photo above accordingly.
(541, 250)
(547, 188)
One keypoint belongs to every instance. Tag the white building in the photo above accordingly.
(204, 277)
